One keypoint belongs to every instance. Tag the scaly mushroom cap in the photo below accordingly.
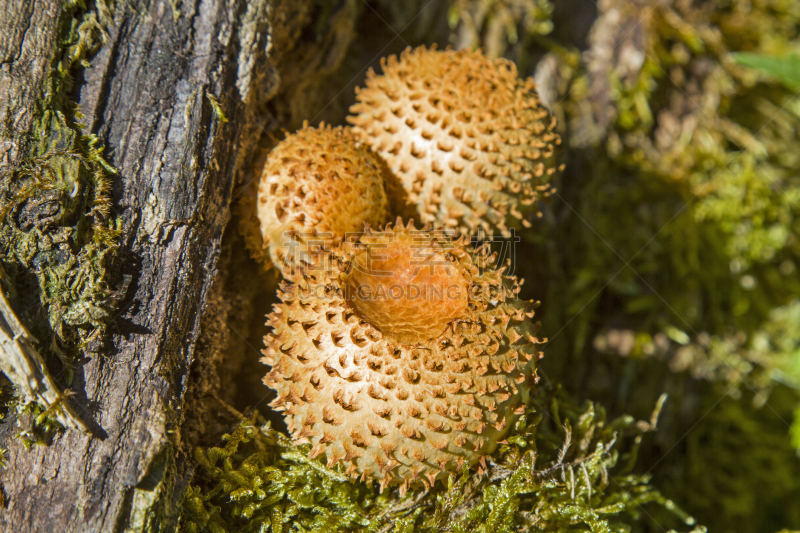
(317, 185)
(416, 357)
(468, 140)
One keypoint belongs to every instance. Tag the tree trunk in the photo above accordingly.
(172, 96)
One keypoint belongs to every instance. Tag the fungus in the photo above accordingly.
(468, 140)
(410, 357)
(317, 185)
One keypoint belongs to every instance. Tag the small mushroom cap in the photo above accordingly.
(317, 185)
(468, 140)
(395, 408)
(403, 284)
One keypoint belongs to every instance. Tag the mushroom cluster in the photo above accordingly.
(408, 353)
(411, 358)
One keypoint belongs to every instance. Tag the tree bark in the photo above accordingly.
(150, 96)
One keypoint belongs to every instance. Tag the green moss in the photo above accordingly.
(57, 233)
(494, 25)
(259, 481)
(35, 424)
(673, 238)
(696, 158)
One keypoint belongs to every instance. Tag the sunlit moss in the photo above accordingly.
(673, 235)
(35, 424)
(699, 168)
(558, 474)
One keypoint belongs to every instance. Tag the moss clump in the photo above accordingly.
(494, 25)
(558, 474)
(260, 481)
(35, 424)
(57, 233)
(706, 152)
(676, 225)
(695, 157)
(55, 229)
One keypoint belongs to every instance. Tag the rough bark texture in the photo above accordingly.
(146, 96)
(25, 58)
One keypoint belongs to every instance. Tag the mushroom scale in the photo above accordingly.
(406, 404)
(469, 141)
(318, 184)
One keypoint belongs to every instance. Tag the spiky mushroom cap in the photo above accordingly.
(405, 401)
(317, 185)
(468, 139)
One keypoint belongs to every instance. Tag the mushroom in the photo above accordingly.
(410, 357)
(317, 185)
(468, 140)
